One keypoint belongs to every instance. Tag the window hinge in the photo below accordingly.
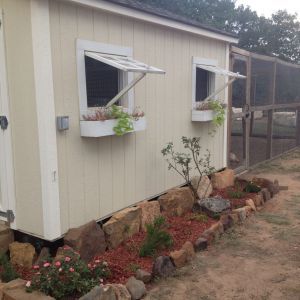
(9, 215)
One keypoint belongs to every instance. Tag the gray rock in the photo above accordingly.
(136, 288)
(214, 205)
(163, 266)
(200, 244)
(100, 293)
(143, 275)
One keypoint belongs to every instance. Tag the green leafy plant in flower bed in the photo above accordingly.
(156, 238)
(68, 276)
(251, 187)
(7, 272)
(236, 194)
(199, 217)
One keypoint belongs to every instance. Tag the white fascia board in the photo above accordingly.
(44, 95)
(147, 17)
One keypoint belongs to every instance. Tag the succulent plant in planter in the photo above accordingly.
(218, 108)
(124, 119)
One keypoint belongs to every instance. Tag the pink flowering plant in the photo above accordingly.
(68, 276)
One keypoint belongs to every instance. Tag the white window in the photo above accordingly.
(105, 75)
(204, 79)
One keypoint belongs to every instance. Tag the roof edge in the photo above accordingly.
(146, 16)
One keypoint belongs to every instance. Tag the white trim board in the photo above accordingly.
(44, 95)
(8, 195)
(147, 17)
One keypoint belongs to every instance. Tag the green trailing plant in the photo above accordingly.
(187, 164)
(219, 110)
(156, 238)
(251, 187)
(124, 120)
(67, 277)
(7, 272)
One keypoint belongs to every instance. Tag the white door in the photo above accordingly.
(7, 188)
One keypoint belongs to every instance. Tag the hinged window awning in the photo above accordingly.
(125, 64)
(220, 71)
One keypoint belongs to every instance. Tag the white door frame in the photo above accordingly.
(8, 197)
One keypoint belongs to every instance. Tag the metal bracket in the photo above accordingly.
(3, 122)
(9, 215)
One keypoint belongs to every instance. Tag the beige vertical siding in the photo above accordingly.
(17, 29)
(102, 175)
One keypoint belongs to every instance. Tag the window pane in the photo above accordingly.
(102, 82)
(202, 80)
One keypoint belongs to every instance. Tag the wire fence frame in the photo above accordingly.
(267, 109)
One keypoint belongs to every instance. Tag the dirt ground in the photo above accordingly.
(257, 260)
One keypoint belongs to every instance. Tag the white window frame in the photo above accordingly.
(126, 77)
(211, 78)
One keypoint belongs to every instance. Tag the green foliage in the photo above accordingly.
(235, 194)
(219, 110)
(252, 188)
(8, 272)
(69, 276)
(185, 164)
(201, 218)
(156, 238)
(277, 36)
(124, 124)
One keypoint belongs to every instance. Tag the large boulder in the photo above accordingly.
(16, 290)
(136, 288)
(22, 254)
(223, 179)
(122, 225)
(6, 238)
(88, 240)
(121, 291)
(105, 292)
(149, 211)
(213, 206)
(177, 201)
(143, 275)
(163, 267)
(179, 257)
(205, 187)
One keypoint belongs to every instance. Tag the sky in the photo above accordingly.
(267, 7)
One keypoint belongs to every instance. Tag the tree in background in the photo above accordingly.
(277, 36)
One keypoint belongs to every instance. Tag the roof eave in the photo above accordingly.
(151, 18)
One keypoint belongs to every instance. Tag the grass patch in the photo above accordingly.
(292, 235)
(274, 219)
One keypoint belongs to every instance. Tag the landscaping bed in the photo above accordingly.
(125, 260)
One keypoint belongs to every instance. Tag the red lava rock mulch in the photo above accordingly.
(124, 260)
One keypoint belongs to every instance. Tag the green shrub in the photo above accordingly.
(8, 272)
(236, 194)
(67, 277)
(202, 218)
(252, 188)
(156, 238)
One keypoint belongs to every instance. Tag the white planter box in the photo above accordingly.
(105, 128)
(202, 115)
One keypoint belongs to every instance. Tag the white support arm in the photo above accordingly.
(126, 89)
(219, 90)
